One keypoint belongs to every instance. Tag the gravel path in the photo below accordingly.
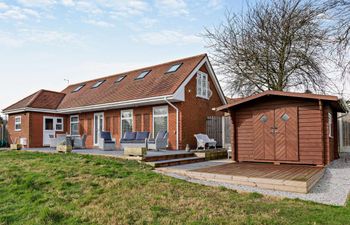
(332, 189)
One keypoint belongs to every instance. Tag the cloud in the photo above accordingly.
(17, 13)
(34, 36)
(172, 7)
(37, 3)
(3, 6)
(126, 8)
(167, 37)
(99, 23)
(215, 4)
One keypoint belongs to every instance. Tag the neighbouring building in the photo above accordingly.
(176, 96)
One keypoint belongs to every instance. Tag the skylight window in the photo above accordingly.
(174, 68)
(143, 74)
(120, 79)
(98, 83)
(78, 88)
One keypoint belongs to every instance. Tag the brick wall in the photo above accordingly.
(14, 136)
(195, 110)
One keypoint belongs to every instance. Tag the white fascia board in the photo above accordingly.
(181, 90)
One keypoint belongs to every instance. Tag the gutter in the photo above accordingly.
(177, 121)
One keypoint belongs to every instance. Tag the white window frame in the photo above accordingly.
(162, 115)
(70, 124)
(56, 122)
(330, 124)
(18, 123)
(203, 92)
(121, 120)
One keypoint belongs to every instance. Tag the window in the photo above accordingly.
(18, 123)
(78, 88)
(143, 74)
(160, 119)
(98, 83)
(126, 121)
(59, 124)
(330, 124)
(120, 79)
(74, 125)
(174, 68)
(202, 85)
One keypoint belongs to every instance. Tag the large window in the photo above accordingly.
(126, 121)
(160, 119)
(18, 123)
(202, 85)
(74, 125)
(330, 124)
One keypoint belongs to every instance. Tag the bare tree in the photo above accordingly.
(274, 45)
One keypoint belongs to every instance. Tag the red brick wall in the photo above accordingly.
(142, 121)
(32, 128)
(14, 136)
(195, 110)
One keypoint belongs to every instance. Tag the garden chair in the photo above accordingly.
(203, 140)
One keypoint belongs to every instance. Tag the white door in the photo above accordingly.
(49, 129)
(98, 127)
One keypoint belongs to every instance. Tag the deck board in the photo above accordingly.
(298, 178)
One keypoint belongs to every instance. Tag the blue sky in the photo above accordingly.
(44, 42)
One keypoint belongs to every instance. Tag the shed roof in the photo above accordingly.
(336, 103)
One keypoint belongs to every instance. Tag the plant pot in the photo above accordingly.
(15, 146)
(64, 148)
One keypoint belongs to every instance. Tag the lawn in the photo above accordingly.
(37, 188)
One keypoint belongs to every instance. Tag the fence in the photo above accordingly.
(218, 128)
(344, 133)
(3, 135)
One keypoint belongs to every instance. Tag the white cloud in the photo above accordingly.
(214, 4)
(126, 7)
(68, 2)
(172, 7)
(99, 23)
(17, 13)
(37, 3)
(30, 36)
(167, 37)
(3, 5)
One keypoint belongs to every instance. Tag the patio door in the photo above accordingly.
(49, 129)
(98, 127)
(276, 134)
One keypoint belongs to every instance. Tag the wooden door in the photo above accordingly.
(286, 134)
(264, 140)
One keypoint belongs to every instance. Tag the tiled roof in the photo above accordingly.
(42, 99)
(157, 83)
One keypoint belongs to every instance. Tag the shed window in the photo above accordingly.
(74, 125)
(143, 74)
(78, 88)
(98, 83)
(263, 119)
(285, 117)
(202, 85)
(174, 68)
(18, 123)
(330, 124)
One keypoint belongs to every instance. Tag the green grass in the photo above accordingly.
(40, 188)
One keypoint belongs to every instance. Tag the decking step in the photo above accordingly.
(169, 157)
(174, 162)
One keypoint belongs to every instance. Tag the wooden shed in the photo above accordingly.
(285, 127)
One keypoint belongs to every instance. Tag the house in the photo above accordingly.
(176, 96)
(285, 127)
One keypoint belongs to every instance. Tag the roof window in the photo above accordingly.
(98, 83)
(143, 74)
(78, 88)
(174, 68)
(120, 78)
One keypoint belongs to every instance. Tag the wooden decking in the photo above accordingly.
(294, 178)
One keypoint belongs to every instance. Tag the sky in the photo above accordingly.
(44, 44)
